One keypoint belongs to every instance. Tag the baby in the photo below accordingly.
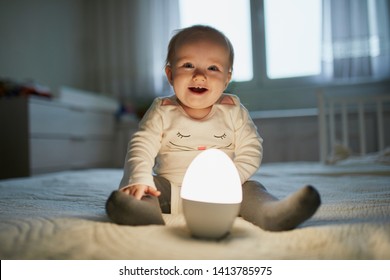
(199, 116)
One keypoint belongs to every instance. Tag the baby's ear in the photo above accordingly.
(229, 78)
(168, 73)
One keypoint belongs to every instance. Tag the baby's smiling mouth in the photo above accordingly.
(198, 89)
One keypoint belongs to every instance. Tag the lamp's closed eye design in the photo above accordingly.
(212, 194)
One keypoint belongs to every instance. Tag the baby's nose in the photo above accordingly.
(199, 76)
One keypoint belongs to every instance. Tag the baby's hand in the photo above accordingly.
(138, 191)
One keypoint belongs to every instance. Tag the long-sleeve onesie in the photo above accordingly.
(168, 140)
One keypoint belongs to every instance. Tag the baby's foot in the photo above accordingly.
(288, 213)
(125, 209)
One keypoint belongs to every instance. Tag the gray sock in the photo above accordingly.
(125, 209)
(264, 210)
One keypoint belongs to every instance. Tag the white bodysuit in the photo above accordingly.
(168, 140)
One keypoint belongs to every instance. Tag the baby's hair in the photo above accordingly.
(198, 31)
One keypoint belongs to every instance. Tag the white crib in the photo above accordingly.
(344, 121)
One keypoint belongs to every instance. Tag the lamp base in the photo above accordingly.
(209, 220)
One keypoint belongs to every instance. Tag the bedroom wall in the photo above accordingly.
(41, 40)
(289, 139)
(44, 40)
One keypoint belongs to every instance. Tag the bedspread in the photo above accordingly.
(61, 216)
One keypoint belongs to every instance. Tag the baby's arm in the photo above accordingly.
(142, 151)
(138, 191)
(248, 152)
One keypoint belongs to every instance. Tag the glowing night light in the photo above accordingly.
(212, 194)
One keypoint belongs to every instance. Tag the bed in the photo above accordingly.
(61, 216)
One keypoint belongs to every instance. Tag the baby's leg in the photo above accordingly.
(124, 209)
(266, 211)
(164, 186)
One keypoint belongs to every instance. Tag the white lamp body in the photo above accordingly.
(212, 194)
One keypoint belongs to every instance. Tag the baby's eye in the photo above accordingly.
(213, 68)
(223, 136)
(188, 65)
(181, 136)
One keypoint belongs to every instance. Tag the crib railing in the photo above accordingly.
(334, 115)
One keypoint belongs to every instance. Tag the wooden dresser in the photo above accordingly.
(39, 135)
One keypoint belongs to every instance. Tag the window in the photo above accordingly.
(293, 38)
(233, 18)
(300, 42)
(285, 22)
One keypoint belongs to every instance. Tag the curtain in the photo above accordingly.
(356, 39)
(126, 43)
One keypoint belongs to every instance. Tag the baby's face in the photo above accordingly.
(199, 74)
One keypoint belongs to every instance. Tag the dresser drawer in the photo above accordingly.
(92, 153)
(50, 154)
(49, 118)
(91, 124)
